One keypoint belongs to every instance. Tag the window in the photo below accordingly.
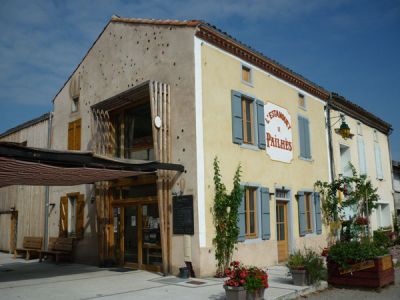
(345, 160)
(304, 137)
(246, 74)
(383, 215)
(248, 130)
(309, 211)
(254, 214)
(302, 101)
(251, 212)
(248, 125)
(75, 104)
(74, 135)
(71, 215)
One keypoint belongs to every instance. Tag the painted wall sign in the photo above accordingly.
(278, 133)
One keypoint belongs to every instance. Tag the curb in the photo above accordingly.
(311, 289)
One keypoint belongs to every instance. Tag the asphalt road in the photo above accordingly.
(387, 293)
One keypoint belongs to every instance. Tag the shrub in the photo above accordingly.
(381, 239)
(346, 253)
(310, 261)
(296, 261)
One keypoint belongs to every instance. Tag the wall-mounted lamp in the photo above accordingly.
(344, 129)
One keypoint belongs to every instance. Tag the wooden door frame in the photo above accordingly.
(138, 203)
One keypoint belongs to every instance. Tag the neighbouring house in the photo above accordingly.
(368, 150)
(184, 92)
(22, 208)
(396, 186)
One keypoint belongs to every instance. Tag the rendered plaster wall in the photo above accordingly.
(124, 56)
(27, 200)
(367, 134)
(222, 74)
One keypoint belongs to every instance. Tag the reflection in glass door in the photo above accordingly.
(131, 248)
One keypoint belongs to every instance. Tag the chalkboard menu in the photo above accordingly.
(183, 222)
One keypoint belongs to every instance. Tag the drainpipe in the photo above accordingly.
(328, 121)
(47, 189)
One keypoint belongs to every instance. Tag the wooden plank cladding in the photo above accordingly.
(160, 109)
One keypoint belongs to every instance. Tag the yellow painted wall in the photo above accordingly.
(221, 73)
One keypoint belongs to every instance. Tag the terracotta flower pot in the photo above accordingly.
(235, 293)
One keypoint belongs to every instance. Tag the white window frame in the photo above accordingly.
(72, 205)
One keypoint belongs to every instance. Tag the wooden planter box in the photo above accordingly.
(375, 273)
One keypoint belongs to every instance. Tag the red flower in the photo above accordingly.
(241, 281)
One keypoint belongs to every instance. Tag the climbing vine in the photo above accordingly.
(225, 216)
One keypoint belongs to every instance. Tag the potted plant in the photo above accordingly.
(235, 284)
(245, 282)
(296, 265)
(307, 267)
(256, 283)
(360, 263)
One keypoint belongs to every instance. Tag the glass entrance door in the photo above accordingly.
(131, 241)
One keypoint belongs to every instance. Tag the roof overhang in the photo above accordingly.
(21, 165)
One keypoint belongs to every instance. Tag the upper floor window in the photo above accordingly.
(304, 137)
(74, 135)
(302, 101)
(248, 125)
(133, 133)
(247, 74)
(75, 104)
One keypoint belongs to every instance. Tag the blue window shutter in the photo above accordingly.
(242, 220)
(302, 213)
(301, 136)
(361, 156)
(304, 137)
(265, 214)
(317, 206)
(260, 124)
(307, 138)
(378, 161)
(237, 118)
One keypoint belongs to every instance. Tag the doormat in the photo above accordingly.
(195, 282)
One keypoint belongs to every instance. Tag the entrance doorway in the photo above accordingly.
(137, 241)
(282, 230)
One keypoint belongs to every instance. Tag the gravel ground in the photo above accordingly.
(387, 293)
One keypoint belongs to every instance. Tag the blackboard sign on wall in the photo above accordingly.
(183, 222)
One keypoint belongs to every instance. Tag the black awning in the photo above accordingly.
(21, 165)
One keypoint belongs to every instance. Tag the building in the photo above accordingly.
(22, 207)
(396, 186)
(367, 149)
(185, 92)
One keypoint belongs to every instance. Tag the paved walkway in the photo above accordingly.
(20, 279)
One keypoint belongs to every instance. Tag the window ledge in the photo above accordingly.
(306, 159)
(250, 84)
(302, 107)
(253, 240)
(250, 147)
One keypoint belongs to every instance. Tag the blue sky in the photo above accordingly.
(350, 47)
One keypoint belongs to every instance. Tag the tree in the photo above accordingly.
(225, 216)
(343, 192)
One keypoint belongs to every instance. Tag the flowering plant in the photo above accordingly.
(361, 221)
(251, 278)
(256, 279)
(237, 274)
